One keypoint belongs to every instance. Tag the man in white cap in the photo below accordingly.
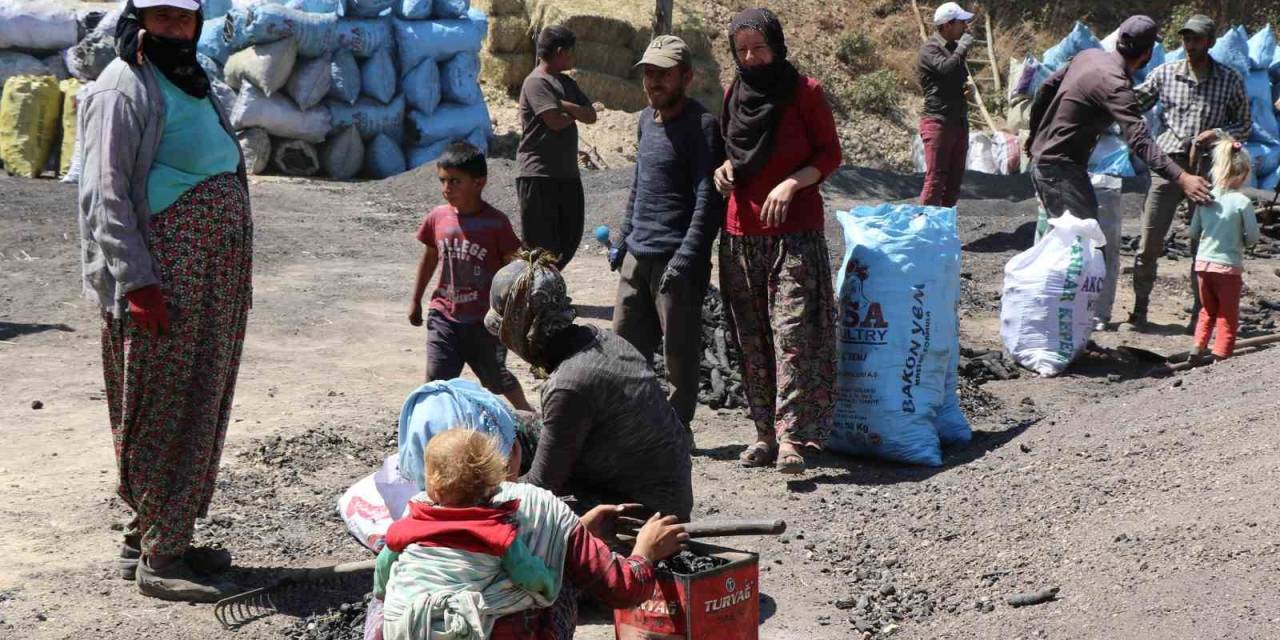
(944, 123)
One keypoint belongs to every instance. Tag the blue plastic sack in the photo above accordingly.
(480, 139)
(378, 76)
(897, 331)
(450, 9)
(1028, 82)
(414, 9)
(1232, 50)
(213, 41)
(450, 121)
(344, 77)
(1111, 157)
(316, 33)
(439, 39)
(1270, 181)
(370, 117)
(1078, 40)
(1175, 55)
(426, 153)
(1258, 85)
(1262, 48)
(460, 78)
(369, 8)
(211, 9)
(437, 407)
(362, 37)
(335, 7)
(422, 87)
(211, 67)
(383, 158)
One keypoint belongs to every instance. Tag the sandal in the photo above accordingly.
(760, 454)
(791, 463)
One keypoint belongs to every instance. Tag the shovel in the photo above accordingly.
(1181, 361)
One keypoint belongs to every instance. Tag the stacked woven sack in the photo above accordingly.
(37, 92)
(349, 87)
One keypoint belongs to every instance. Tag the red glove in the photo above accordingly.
(147, 309)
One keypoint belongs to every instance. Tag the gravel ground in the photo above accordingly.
(1149, 503)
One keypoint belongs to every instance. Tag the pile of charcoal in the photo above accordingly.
(982, 366)
(1259, 316)
(720, 379)
(688, 563)
(345, 622)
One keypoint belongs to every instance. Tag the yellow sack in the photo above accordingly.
(28, 123)
(70, 108)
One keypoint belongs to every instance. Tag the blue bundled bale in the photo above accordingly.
(460, 78)
(1079, 39)
(378, 76)
(1262, 49)
(414, 9)
(335, 7)
(450, 121)
(383, 157)
(362, 37)
(211, 9)
(370, 117)
(439, 39)
(215, 41)
(449, 9)
(369, 8)
(1258, 85)
(426, 153)
(422, 87)
(344, 77)
(316, 33)
(1232, 50)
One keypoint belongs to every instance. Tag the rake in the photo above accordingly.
(242, 608)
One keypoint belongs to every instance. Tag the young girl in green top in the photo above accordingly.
(1223, 229)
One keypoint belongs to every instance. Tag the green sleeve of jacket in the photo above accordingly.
(526, 570)
(382, 572)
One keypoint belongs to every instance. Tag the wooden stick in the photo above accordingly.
(991, 51)
(924, 33)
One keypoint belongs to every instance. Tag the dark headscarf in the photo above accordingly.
(757, 96)
(176, 59)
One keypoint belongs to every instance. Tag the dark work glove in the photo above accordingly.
(616, 254)
(147, 309)
(669, 277)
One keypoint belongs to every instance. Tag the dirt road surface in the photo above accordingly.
(1150, 503)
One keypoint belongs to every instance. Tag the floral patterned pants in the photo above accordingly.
(169, 397)
(782, 308)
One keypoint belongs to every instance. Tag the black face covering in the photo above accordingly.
(757, 96)
(176, 59)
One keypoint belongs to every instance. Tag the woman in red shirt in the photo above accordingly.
(780, 140)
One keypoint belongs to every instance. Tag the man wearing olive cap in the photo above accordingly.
(1201, 99)
(670, 222)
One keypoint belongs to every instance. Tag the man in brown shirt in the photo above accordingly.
(1077, 104)
(549, 187)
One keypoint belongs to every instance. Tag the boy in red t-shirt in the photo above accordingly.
(470, 240)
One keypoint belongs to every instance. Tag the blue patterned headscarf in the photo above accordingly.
(437, 407)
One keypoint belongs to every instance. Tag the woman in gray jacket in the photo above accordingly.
(167, 245)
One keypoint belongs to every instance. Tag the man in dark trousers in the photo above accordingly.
(671, 220)
(549, 186)
(944, 124)
(1201, 99)
(1076, 104)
